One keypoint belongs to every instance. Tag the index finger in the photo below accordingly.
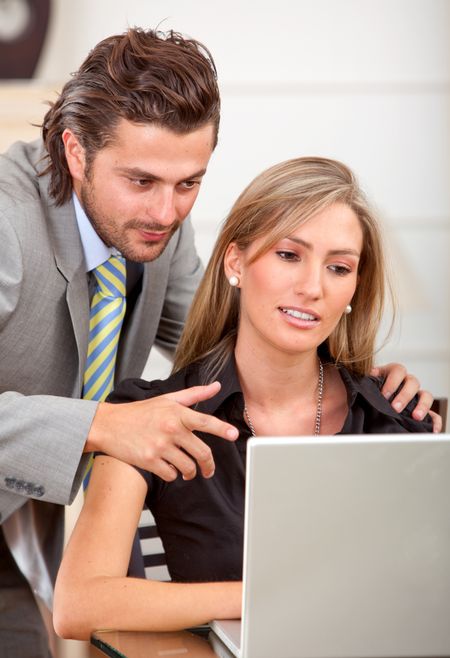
(393, 378)
(197, 421)
(189, 396)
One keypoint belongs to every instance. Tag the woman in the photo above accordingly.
(285, 319)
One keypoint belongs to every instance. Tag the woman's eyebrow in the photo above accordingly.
(333, 252)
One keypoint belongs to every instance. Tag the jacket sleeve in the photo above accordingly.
(185, 273)
(41, 436)
(41, 448)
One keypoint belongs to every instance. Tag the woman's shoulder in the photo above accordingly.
(132, 390)
(365, 391)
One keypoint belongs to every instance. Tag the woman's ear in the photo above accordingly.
(75, 155)
(232, 262)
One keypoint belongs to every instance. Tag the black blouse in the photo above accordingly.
(201, 521)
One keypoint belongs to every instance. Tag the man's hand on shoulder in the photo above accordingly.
(406, 386)
(157, 434)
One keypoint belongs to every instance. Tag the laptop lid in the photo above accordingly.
(347, 547)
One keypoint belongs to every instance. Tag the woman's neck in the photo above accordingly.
(282, 395)
(276, 380)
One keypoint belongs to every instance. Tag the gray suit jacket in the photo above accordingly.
(44, 321)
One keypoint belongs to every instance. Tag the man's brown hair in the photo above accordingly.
(143, 76)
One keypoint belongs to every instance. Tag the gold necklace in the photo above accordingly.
(318, 419)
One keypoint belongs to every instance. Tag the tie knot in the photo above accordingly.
(111, 277)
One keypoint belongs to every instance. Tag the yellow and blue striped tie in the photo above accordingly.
(106, 317)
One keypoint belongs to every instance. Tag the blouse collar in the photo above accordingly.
(367, 387)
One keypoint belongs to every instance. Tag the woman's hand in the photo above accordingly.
(395, 375)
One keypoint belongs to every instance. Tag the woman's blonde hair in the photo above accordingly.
(272, 207)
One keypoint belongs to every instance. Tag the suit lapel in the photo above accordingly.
(69, 259)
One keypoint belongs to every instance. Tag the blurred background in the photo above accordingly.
(363, 81)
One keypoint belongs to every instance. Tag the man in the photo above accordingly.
(126, 144)
(123, 154)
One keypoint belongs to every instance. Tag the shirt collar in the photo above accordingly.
(230, 385)
(366, 387)
(369, 389)
(94, 249)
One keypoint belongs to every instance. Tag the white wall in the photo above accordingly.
(365, 81)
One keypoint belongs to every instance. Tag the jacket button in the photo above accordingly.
(39, 491)
(19, 485)
(10, 482)
(29, 488)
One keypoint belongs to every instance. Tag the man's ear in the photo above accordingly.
(75, 155)
(232, 261)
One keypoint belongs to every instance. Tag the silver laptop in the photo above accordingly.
(346, 549)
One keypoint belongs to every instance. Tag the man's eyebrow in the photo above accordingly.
(136, 172)
(333, 252)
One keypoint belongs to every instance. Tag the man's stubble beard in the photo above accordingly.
(117, 238)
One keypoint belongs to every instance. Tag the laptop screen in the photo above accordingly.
(347, 546)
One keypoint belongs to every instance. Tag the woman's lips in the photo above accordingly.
(300, 317)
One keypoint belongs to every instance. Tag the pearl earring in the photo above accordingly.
(348, 309)
(233, 281)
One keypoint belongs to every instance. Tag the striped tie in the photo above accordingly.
(106, 317)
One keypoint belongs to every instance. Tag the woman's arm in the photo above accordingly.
(92, 590)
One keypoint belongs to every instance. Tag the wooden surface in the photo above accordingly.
(154, 645)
